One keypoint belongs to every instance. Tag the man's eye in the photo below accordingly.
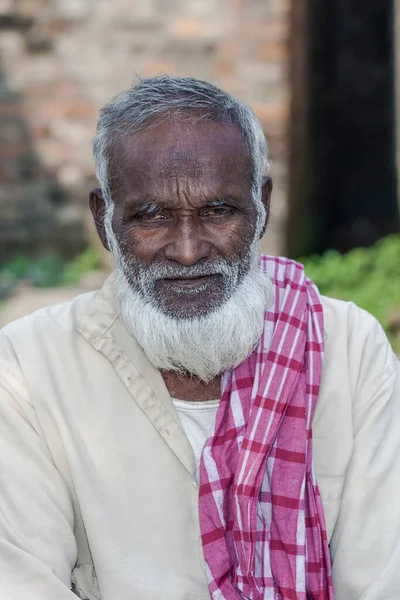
(216, 211)
(152, 216)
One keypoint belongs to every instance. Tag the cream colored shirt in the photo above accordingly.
(97, 477)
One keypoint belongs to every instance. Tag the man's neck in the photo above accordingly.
(188, 387)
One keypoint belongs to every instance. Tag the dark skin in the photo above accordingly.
(182, 196)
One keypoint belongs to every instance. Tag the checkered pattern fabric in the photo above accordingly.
(261, 515)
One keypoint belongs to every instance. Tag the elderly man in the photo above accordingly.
(206, 425)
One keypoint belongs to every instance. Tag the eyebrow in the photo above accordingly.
(151, 207)
(220, 202)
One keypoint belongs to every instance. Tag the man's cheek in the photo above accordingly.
(242, 247)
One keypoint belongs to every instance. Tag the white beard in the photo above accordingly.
(203, 346)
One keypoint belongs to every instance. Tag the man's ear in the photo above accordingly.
(98, 210)
(266, 190)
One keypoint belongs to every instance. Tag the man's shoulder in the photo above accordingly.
(355, 343)
(58, 318)
(352, 321)
(343, 313)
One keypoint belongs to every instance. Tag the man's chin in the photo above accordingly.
(191, 309)
(190, 303)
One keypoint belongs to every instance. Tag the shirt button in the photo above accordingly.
(196, 485)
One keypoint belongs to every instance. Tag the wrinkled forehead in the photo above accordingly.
(208, 152)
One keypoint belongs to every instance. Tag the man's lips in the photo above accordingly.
(190, 282)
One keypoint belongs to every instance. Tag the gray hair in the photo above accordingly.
(151, 100)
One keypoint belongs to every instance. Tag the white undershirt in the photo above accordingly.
(197, 420)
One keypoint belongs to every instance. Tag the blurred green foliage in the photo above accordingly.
(89, 260)
(42, 272)
(48, 271)
(369, 277)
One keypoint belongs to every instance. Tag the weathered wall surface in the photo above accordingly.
(62, 59)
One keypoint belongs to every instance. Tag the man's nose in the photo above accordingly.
(187, 245)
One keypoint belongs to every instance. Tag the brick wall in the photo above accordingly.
(62, 59)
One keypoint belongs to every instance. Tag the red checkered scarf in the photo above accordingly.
(261, 515)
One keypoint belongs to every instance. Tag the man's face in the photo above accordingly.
(184, 219)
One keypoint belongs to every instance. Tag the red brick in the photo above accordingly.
(159, 66)
(265, 50)
(79, 109)
(224, 67)
(186, 28)
(228, 48)
(271, 112)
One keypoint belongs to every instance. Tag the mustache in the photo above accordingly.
(157, 271)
